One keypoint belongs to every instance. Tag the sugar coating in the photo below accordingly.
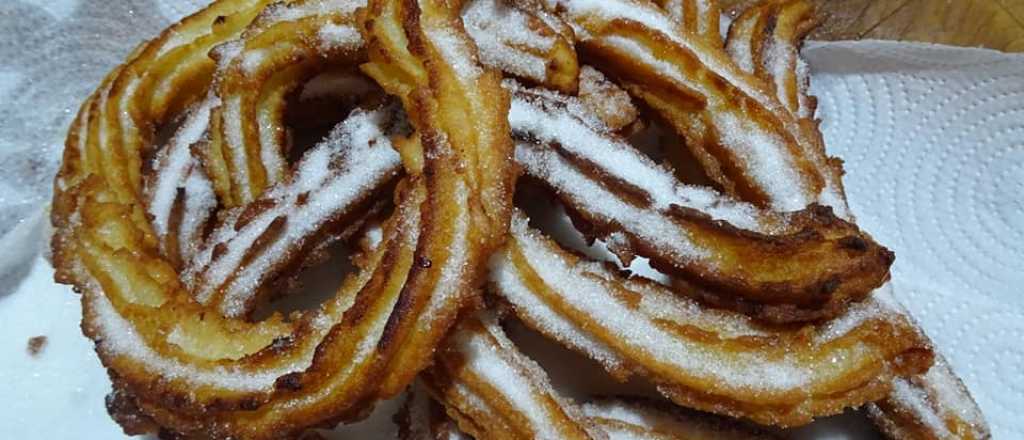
(505, 276)
(675, 10)
(128, 128)
(879, 305)
(252, 60)
(291, 12)
(606, 100)
(707, 9)
(104, 139)
(638, 332)
(494, 358)
(618, 410)
(652, 17)
(779, 58)
(783, 61)
(916, 400)
(933, 397)
(232, 116)
(331, 177)
(227, 52)
(739, 48)
(635, 331)
(456, 51)
(335, 36)
(950, 393)
(644, 13)
(330, 35)
(472, 399)
(771, 166)
(660, 303)
(650, 225)
(368, 149)
(766, 154)
(121, 339)
(269, 128)
(548, 117)
(176, 168)
(407, 219)
(803, 75)
(175, 40)
(456, 267)
(505, 39)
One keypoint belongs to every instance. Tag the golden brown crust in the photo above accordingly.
(256, 74)
(528, 44)
(495, 392)
(609, 102)
(182, 364)
(197, 374)
(698, 17)
(800, 266)
(765, 40)
(699, 357)
(930, 406)
(729, 119)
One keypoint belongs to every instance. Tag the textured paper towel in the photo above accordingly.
(933, 139)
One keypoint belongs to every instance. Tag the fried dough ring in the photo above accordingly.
(222, 377)
(731, 122)
(286, 45)
(115, 125)
(493, 391)
(765, 41)
(821, 263)
(451, 211)
(520, 97)
(925, 406)
(323, 198)
(716, 361)
(226, 281)
(245, 156)
(793, 267)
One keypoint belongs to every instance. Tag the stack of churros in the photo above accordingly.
(767, 306)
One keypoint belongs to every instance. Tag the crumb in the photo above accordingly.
(36, 345)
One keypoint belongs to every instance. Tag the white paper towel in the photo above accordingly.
(933, 139)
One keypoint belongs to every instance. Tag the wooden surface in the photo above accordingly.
(995, 24)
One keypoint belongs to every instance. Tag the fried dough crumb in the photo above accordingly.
(36, 344)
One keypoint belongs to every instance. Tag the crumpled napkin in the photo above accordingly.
(932, 136)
